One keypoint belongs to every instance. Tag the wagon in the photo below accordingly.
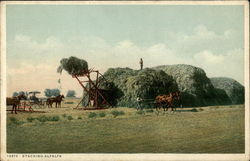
(35, 101)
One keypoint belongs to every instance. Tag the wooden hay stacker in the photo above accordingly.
(93, 94)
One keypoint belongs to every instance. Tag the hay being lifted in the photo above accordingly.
(73, 65)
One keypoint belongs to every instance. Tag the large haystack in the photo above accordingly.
(233, 89)
(196, 87)
(146, 84)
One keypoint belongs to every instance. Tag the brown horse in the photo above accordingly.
(15, 102)
(161, 101)
(57, 100)
(167, 101)
(164, 101)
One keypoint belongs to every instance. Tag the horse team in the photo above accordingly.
(57, 100)
(171, 100)
(16, 101)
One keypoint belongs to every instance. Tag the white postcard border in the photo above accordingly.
(122, 156)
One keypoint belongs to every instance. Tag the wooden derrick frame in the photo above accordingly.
(92, 90)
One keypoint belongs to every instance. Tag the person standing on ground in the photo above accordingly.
(139, 103)
(141, 63)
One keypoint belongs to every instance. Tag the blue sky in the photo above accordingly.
(38, 36)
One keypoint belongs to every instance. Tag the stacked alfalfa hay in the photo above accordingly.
(147, 84)
(119, 76)
(109, 91)
(73, 66)
(196, 87)
(233, 89)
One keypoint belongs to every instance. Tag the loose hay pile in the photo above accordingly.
(73, 65)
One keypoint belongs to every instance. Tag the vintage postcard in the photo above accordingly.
(128, 80)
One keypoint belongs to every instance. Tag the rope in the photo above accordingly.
(148, 99)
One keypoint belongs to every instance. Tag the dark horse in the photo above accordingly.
(57, 100)
(168, 101)
(15, 101)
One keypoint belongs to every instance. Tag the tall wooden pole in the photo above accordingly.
(96, 94)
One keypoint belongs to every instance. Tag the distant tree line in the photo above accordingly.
(20, 93)
(71, 93)
(52, 92)
(49, 93)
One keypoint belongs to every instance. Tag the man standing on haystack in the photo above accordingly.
(141, 63)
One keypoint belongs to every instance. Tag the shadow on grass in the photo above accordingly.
(192, 110)
(183, 110)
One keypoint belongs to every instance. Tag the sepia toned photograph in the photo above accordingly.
(124, 80)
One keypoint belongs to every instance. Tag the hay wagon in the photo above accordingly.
(29, 104)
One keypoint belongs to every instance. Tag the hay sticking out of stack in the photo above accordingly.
(73, 66)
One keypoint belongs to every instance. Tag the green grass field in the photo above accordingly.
(218, 129)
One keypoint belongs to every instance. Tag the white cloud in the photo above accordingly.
(24, 41)
(30, 77)
(24, 48)
(32, 65)
(230, 64)
(208, 57)
(39, 74)
(22, 38)
(201, 38)
(201, 32)
(28, 68)
(157, 49)
(125, 44)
